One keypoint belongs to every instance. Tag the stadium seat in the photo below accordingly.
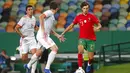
(1, 10)
(114, 21)
(65, 1)
(64, 7)
(107, 11)
(56, 16)
(1, 3)
(25, 2)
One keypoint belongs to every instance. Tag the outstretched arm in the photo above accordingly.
(61, 38)
(54, 33)
(68, 28)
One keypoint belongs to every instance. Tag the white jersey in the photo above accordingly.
(27, 25)
(48, 23)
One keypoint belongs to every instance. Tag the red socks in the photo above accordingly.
(90, 61)
(80, 60)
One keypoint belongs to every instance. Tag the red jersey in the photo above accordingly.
(86, 23)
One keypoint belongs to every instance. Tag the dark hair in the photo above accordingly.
(53, 5)
(28, 6)
(3, 51)
(84, 4)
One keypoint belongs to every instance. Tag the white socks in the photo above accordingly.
(34, 67)
(89, 64)
(80, 67)
(51, 58)
(34, 58)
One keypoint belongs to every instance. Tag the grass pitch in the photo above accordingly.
(122, 68)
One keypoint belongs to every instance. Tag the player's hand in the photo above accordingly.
(23, 36)
(61, 38)
(95, 28)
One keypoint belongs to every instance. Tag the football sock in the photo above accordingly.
(34, 58)
(51, 58)
(80, 59)
(34, 65)
(90, 62)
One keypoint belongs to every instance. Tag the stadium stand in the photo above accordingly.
(113, 14)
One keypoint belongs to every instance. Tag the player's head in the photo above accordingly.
(54, 6)
(85, 7)
(29, 10)
(3, 52)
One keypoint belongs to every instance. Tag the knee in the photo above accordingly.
(91, 57)
(80, 49)
(33, 51)
(24, 58)
(39, 53)
(55, 49)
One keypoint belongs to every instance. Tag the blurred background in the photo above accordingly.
(113, 40)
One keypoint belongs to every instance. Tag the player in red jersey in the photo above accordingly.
(87, 37)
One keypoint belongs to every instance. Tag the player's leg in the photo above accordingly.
(50, 44)
(33, 48)
(34, 58)
(24, 49)
(38, 53)
(33, 51)
(80, 52)
(91, 49)
(18, 51)
(25, 57)
(51, 56)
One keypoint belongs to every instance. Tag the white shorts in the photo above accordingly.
(27, 44)
(45, 43)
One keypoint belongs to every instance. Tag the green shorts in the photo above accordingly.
(89, 45)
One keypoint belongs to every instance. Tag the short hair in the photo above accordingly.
(84, 4)
(53, 5)
(3, 51)
(28, 6)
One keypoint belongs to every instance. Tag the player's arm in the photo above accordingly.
(54, 33)
(97, 27)
(61, 38)
(97, 22)
(68, 28)
(41, 19)
(36, 27)
(17, 27)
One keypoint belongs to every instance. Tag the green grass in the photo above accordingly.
(122, 68)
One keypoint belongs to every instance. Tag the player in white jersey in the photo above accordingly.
(25, 28)
(43, 37)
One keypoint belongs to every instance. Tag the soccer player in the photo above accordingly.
(87, 37)
(43, 36)
(25, 28)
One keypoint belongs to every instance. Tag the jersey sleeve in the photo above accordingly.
(75, 21)
(48, 13)
(95, 19)
(21, 22)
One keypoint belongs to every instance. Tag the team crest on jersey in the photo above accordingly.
(85, 21)
(89, 19)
